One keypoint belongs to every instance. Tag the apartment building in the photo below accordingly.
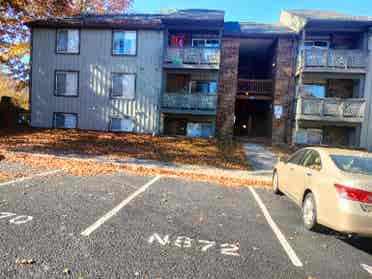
(305, 79)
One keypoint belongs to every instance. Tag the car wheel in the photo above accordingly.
(309, 212)
(275, 183)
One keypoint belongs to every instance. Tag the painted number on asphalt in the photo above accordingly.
(187, 242)
(15, 219)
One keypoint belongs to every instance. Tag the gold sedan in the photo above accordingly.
(332, 186)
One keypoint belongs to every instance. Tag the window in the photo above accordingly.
(353, 164)
(297, 157)
(203, 86)
(314, 90)
(312, 160)
(121, 125)
(68, 41)
(66, 83)
(124, 43)
(65, 120)
(203, 130)
(317, 43)
(205, 42)
(123, 86)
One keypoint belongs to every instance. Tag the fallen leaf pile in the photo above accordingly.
(204, 152)
(86, 167)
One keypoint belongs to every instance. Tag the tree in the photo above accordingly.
(15, 36)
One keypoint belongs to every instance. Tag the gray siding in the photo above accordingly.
(366, 132)
(95, 65)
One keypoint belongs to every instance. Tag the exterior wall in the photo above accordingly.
(284, 88)
(227, 87)
(95, 64)
(366, 131)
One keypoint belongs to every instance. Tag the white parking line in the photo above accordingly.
(30, 177)
(282, 240)
(116, 209)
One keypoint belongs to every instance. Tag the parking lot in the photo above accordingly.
(126, 226)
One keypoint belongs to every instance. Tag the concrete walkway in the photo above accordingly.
(259, 157)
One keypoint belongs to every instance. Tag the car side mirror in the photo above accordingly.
(283, 160)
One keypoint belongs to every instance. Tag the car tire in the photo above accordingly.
(309, 215)
(275, 183)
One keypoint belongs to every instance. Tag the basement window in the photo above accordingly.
(199, 130)
(68, 41)
(65, 120)
(121, 125)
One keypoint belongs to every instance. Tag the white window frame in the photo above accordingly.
(125, 95)
(65, 113)
(129, 124)
(205, 42)
(70, 49)
(117, 53)
(67, 86)
(313, 44)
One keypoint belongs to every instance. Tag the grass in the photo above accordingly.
(203, 152)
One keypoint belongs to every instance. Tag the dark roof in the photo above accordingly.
(134, 19)
(253, 29)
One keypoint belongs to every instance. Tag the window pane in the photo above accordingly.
(72, 84)
(130, 42)
(117, 85)
(123, 85)
(121, 125)
(212, 43)
(212, 87)
(66, 83)
(62, 40)
(312, 90)
(128, 86)
(65, 120)
(125, 43)
(297, 157)
(73, 41)
(60, 83)
(198, 43)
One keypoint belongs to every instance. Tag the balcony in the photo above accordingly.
(330, 109)
(199, 103)
(192, 57)
(255, 88)
(333, 60)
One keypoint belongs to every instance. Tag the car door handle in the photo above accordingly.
(309, 174)
(291, 169)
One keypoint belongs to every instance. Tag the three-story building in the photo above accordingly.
(306, 79)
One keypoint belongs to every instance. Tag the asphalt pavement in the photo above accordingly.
(126, 226)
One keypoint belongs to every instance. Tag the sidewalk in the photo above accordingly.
(260, 158)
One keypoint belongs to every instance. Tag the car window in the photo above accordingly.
(297, 157)
(353, 164)
(312, 160)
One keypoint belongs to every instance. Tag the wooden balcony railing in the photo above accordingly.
(333, 58)
(189, 101)
(255, 86)
(330, 109)
(193, 55)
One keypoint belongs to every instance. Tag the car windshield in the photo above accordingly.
(353, 164)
